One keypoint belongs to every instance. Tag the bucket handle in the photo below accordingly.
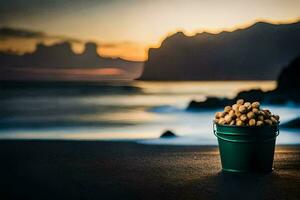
(242, 141)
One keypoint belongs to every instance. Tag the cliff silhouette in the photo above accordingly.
(287, 91)
(61, 56)
(288, 80)
(254, 53)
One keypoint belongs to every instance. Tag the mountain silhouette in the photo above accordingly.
(288, 80)
(254, 53)
(287, 91)
(61, 56)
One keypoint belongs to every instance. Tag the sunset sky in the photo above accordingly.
(127, 28)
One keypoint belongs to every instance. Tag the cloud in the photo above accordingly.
(10, 32)
(20, 33)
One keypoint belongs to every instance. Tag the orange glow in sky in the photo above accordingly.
(79, 72)
(93, 72)
(66, 74)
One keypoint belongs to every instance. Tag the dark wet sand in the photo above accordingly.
(125, 170)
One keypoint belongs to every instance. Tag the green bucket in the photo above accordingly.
(246, 148)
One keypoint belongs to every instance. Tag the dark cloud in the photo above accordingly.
(20, 33)
(8, 32)
(15, 9)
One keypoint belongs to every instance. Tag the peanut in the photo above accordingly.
(260, 117)
(251, 115)
(242, 109)
(222, 121)
(240, 101)
(217, 115)
(239, 123)
(227, 109)
(268, 121)
(252, 122)
(255, 104)
(243, 117)
(259, 123)
(273, 120)
(238, 113)
(235, 107)
(255, 111)
(228, 118)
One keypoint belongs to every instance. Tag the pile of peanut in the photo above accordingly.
(246, 114)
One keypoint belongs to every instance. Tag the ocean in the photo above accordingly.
(135, 110)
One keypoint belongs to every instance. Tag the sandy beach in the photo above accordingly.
(127, 170)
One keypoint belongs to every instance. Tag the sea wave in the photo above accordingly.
(165, 109)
